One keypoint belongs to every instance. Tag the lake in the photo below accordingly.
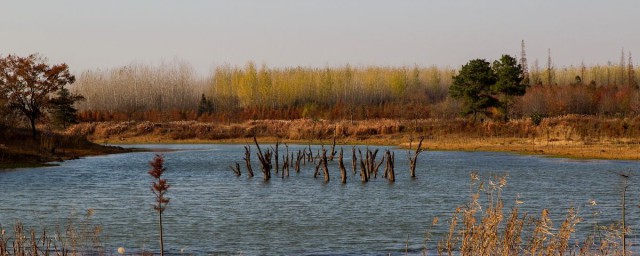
(214, 212)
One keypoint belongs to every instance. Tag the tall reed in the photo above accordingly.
(78, 236)
(481, 227)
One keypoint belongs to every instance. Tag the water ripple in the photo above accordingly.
(214, 212)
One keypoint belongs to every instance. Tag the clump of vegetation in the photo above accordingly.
(482, 227)
(536, 118)
(78, 236)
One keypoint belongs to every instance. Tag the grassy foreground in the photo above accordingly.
(585, 137)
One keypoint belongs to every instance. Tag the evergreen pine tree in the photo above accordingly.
(63, 113)
(205, 106)
(473, 85)
(509, 83)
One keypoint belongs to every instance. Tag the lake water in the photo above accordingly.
(214, 212)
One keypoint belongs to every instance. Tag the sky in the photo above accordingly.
(89, 34)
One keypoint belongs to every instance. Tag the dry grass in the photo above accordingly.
(78, 236)
(567, 136)
(572, 149)
(481, 227)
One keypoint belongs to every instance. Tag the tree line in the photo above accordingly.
(174, 91)
(251, 92)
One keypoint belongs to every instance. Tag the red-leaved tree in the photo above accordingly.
(28, 83)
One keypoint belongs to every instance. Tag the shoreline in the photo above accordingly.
(55, 160)
(19, 165)
(573, 137)
(560, 149)
(19, 149)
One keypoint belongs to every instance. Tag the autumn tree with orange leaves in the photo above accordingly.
(28, 83)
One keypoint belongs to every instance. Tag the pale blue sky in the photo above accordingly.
(103, 34)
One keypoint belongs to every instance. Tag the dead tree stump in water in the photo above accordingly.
(310, 155)
(333, 149)
(318, 155)
(386, 166)
(269, 165)
(343, 171)
(304, 156)
(276, 155)
(247, 160)
(354, 160)
(391, 175)
(236, 169)
(285, 166)
(285, 162)
(364, 176)
(265, 160)
(363, 172)
(299, 157)
(291, 160)
(371, 162)
(414, 158)
(325, 168)
(317, 171)
(375, 171)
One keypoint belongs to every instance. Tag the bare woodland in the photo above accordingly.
(173, 91)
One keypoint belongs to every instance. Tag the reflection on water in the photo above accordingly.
(212, 211)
